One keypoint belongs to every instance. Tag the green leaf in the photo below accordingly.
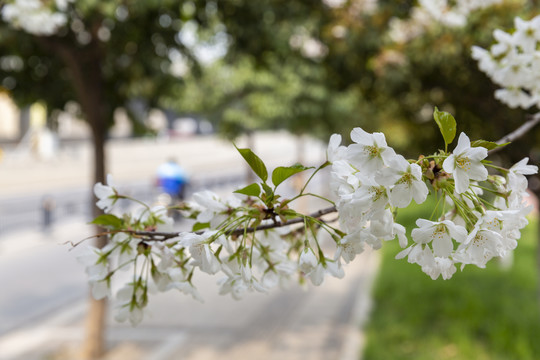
(250, 190)
(254, 162)
(267, 190)
(490, 145)
(447, 125)
(108, 220)
(282, 173)
(200, 226)
(289, 213)
(268, 196)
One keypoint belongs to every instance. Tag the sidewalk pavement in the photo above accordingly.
(314, 323)
(138, 159)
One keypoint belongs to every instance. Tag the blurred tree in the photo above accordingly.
(241, 97)
(436, 69)
(323, 67)
(274, 73)
(106, 55)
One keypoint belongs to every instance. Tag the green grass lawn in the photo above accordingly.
(478, 314)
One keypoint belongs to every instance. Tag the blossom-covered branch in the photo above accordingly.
(247, 238)
(162, 236)
(513, 63)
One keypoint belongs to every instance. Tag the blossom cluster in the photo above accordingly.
(247, 262)
(35, 17)
(254, 241)
(513, 63)
(370, 180)
(453, 14)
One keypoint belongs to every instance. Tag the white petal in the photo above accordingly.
(335, 269)
(379, 139)
(424, 223)
(100, 290)
(110, 181)
(477, 153)
(442, 246)
(403, 253)
(317, 276)
(522, 168)
(402, 237)
(478, 172)
(401, 196)
(420, 191)
(463, 144)
(449, 164)
(387, 176)
(359, 136)
(457, 232)
(423, 235)
(461, 181)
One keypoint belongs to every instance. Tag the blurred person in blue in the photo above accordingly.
(172, 179)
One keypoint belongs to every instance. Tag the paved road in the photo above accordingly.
(43, 302)
(39, 275)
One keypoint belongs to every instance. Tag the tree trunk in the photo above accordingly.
(85, 70)
(94, 341)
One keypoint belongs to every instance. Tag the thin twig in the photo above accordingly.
(162, 236)
(519, 132)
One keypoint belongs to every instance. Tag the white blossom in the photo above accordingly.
(130, 304)
(369, 152)
(351, 245)
(213, 209)
(516, 179)
(513, 62)
(34, 17)
(405, 180)
(106, 194)
(200, 251)
(335, 150)
(465, 163)
(307, 261)
(515, 97)
(480, 246)
(439, 234)
(440, 266)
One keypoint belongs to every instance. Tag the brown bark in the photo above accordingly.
(95, 109)
(94, 340)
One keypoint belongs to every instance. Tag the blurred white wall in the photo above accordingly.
(9, 118)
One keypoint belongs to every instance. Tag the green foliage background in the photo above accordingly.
(486, 314)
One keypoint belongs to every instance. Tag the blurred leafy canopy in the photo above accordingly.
(267, 79)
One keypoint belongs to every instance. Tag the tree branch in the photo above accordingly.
(162, 236)
(519, 132)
